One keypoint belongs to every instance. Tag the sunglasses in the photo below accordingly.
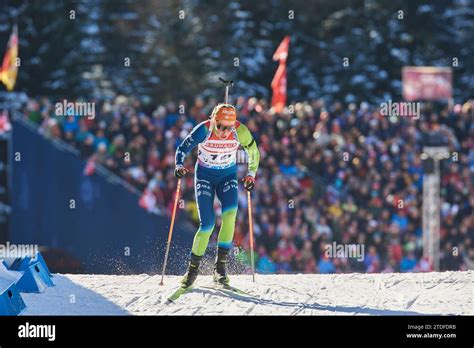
(224, 128)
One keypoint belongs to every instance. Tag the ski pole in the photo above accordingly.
(249, 203)
(171, 230)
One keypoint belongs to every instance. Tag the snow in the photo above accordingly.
(448, 293)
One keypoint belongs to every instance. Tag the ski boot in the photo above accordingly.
(192, 273)
(220, 274)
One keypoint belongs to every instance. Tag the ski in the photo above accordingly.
(178, 293)
(233, 289)
(235, 292)
(218, 286)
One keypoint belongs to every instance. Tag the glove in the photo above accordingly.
(249, 182)
(180, 172)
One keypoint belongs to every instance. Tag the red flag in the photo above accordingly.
(279, 88)
(279, 80)
(282, 51)
(9, 68)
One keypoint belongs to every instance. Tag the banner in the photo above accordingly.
(427, 83)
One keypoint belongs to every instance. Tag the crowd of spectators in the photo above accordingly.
(328, 173)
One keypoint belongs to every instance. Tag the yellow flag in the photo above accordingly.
(9, 69)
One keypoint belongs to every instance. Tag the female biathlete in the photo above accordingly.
(216, 174)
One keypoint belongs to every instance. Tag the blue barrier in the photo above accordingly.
(8, 262)
(35, 274)
(93, 218)
(11, 302)
(34, 279)
(39, 258)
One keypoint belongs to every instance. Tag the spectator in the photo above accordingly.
(265, 265)
(325, 265)
(408, 262)
(328, 173)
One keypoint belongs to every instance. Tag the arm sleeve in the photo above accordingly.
(197, 135)
(250, 146)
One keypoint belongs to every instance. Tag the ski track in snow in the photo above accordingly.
(447, 293)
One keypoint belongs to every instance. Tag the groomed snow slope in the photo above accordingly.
(449, 293)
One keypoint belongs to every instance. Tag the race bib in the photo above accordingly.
(218, 153)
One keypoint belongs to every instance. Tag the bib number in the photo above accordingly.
(215, 158)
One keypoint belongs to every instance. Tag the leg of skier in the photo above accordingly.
(227, 195)
(204, 190)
